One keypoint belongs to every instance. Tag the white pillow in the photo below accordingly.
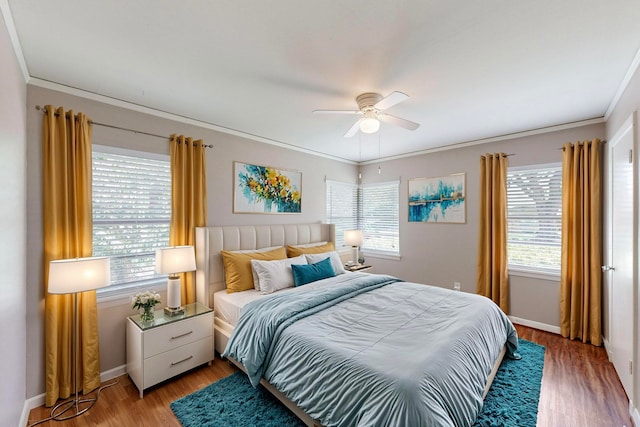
(275, 275)
(256, 285)
(336, 262)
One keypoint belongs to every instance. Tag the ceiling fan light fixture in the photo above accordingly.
(369, 124)
(371, 106)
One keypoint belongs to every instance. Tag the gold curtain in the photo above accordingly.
(492, 279)
(66, 172)
(580, 272)
(188, 200)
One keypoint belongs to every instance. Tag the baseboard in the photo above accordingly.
(113, 373)
(605, 343)
(635, 416)
(536, 325)
(24, 418)
(30, 404)
(38, 400)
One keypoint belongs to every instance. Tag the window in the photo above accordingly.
(534, 209)
(373, 208)
(378, 216)
(342, 205)
(131, 212)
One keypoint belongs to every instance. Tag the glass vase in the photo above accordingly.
(147, 314)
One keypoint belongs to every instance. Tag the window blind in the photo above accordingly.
(534, 209)
(131, 213)
(342, 205)
(378, 212)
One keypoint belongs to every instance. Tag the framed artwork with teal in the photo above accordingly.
(441, 199)
(266, 189)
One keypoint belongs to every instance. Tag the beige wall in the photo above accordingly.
(13, 121)
(440, 254)
(227, 148)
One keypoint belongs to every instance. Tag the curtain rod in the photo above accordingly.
(44, 110)
(602, 142)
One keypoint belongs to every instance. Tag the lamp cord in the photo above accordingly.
(97, 395)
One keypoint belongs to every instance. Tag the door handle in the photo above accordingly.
(607, 268)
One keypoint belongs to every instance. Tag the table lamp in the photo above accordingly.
(353, 238)
(71, 276)
(173, 261)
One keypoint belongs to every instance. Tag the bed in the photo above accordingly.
(357, 348)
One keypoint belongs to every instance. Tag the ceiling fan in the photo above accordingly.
(371, 108)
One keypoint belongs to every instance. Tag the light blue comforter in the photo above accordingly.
(369, 350)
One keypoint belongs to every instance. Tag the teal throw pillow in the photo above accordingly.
(303, 274)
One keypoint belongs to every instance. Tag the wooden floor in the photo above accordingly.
(579, 388)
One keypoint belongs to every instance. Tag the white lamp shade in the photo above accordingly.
(369, 123)
(68, 276)
(175, 259)
(353, 237)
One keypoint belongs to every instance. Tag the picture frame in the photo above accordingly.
(266, 189)
(438, 200)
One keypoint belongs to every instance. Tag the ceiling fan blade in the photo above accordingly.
(353, 130)
(390, 100)
(397, 121)
(336, 112)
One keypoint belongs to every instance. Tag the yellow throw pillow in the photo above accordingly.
(237, 267)
(293, 251)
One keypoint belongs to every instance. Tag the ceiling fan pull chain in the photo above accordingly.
(379, 171)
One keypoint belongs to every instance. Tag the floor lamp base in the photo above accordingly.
(72, 408)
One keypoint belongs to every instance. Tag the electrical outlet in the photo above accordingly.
(456, 286)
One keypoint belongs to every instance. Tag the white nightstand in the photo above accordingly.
(168, 345)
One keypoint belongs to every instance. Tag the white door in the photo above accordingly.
(619, 259)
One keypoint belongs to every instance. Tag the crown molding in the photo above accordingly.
(46, 84)
(170, 116)
(15, 41)
(506, 137)
(623, 85)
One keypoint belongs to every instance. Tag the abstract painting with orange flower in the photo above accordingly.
(265, 189)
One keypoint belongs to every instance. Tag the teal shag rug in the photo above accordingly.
(512, 400)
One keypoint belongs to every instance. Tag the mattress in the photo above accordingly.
(229, 306)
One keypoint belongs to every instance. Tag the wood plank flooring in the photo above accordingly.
(579, 385)
(579, 388)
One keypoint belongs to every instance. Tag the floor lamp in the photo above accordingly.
(173, 261)
(71, 276)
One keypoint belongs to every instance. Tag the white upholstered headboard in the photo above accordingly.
(211, 240)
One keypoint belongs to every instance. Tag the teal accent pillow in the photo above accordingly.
(303, 274)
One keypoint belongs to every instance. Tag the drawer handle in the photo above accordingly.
(180, 361)
(181, 335)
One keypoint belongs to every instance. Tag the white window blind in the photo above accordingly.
(131, 214)
(534, 209)
(342, 205)
(378, 215)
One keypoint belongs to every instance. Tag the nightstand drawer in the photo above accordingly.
(165, 365)
(173, 335)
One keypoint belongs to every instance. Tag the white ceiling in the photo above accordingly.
(473, 69)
